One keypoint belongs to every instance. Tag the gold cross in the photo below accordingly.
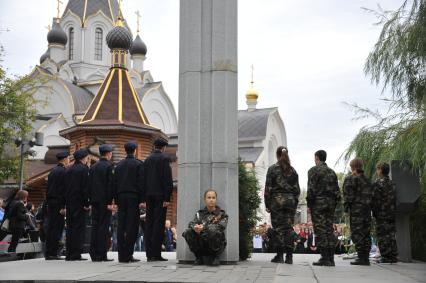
(252, 71)
(138, 16)
(59, 2)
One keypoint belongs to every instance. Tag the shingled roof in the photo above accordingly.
(252, 124)
(116, 103)
(85, 8)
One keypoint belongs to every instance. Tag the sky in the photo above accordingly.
(308, 58)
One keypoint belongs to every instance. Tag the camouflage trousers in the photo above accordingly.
(283, 210)
(210, 242)
(322, 218)
(360, 231)
(386, 237)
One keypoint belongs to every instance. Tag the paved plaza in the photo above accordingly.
(258, 269)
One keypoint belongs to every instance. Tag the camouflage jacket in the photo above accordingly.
(357, 193)
(322, 186)
(216, 219)
(278, 183)
(384, 198)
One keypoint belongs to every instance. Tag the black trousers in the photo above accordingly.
(101, 218)
(16, 235)
(54, 227)
(76, 224)
(154, 227)
(128, 225)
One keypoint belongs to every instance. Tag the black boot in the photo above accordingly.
(289, 256)
(361, 260)
(198, 260)
(331, 256)
(323, 261)
(279, 257)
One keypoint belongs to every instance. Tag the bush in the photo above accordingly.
(249, 201)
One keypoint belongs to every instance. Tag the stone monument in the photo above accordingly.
(208, 124)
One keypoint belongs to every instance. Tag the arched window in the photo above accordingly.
(98, 44)
(71, 44)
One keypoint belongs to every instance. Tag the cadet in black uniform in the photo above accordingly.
(55, 199)
(100, 197)
(128, 185)
(157, 191)
(76, 201)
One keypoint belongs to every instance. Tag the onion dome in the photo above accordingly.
(138, 47)
(57, 35)
(251, 93)
(119, 37)
(45, 56)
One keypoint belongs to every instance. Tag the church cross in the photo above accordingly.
(252, 71)
(138, 16)
(59, 2)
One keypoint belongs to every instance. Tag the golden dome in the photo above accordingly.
(252, 94)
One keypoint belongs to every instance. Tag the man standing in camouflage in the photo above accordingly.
(323, 195)
(384, 206)
(357, 192)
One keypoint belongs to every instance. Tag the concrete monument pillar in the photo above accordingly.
(208, 124)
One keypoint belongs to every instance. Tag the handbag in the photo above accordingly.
(5, 225)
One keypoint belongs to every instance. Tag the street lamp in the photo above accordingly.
(25, 148)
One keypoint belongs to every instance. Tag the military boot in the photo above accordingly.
(331, 256)
(361, 260)
(289, 256)
(198, 260)
(323, 261)
(279, 257)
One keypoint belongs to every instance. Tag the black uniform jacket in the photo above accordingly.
(76, 181)
(100, 181)
(158, 176)
(128, 177)
(56, 184)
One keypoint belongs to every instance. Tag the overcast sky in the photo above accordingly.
(308, 57)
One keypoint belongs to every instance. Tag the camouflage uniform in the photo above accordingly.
(211, 241)
(384, 206)
(357, 192)
(323, 195)
(281, 199)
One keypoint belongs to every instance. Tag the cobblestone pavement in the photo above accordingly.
(257, 269)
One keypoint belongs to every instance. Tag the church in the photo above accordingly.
(78, 92)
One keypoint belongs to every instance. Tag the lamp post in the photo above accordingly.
(24, 148)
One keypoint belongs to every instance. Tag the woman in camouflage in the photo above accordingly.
(206, 232)
(281, 198)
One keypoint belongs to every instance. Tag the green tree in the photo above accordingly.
(17, 111)
(398, 63)
(249, 201)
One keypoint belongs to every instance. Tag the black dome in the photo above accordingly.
(57, 35)
(138, 46)
(45, 55)
(119, 38)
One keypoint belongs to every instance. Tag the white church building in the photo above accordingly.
(77, 61)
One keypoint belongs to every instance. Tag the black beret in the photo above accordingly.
(63, 154)
(81, 153)
(130, 145)
(105, 148)
(160, 142)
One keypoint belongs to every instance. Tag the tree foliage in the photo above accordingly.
(17, 111)
(398, 62)
(249, 201)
